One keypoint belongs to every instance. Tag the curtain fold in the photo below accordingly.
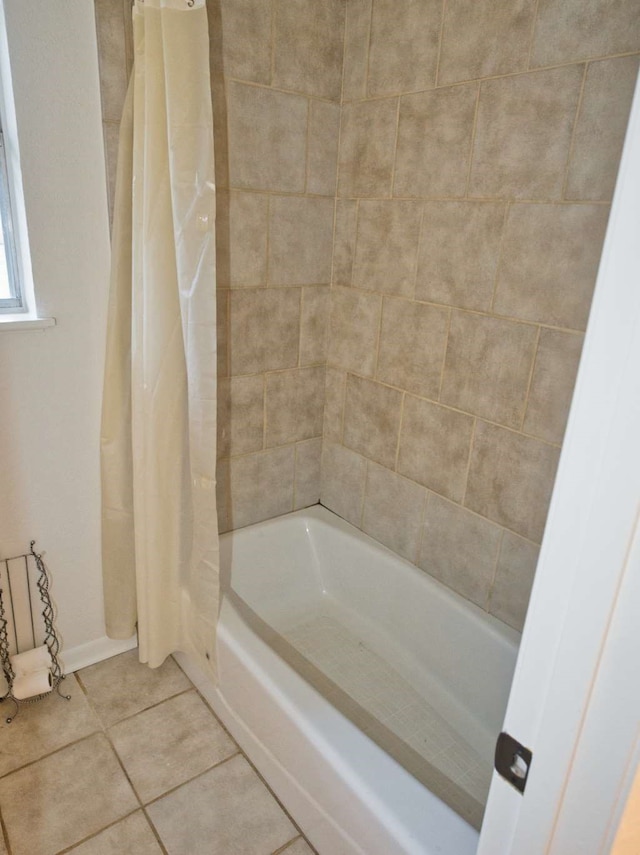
(158, 443)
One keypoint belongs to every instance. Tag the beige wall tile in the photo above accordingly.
(344, 241)
(434, 447)
(552, 384)
(248, 238)
(404, 45)
(300, 237)
(307, 475)
(367, 144)
(434, 142)
(523, 133)
(488, 366)
(308, 46)
(343, 477)
(413, 338)
(334, 404)
(222, 325)
(485, 39)
(372, 420)
(314, 322)
(110, 28)
(387, 245)
(600, 129)
(576, 29)
(223, 495)
(246, 39)
(510, 479)
(353, 329)
(514, 578)
(267, 138)
(356, 49)
(550, 259)
(458, 256)
(294, 405)
(393, 510)
(322, 148)
(261, 485)
(265, 329)
(460, 549)
(240, 415)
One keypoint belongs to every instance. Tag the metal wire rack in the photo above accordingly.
(27, 565)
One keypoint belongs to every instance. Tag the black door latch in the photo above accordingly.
(513, 761)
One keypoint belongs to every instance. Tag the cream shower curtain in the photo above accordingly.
(158, 442)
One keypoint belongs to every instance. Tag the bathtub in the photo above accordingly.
(311, 577)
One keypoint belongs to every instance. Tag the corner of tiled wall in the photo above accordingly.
(478, 154)
(411, 208)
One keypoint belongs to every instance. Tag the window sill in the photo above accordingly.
(16, 323)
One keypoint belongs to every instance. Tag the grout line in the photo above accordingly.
(297, 194)
(440, 38)
(556, 445)
(365, 487)
(466, 477)
(397, 454)
(295, 472)
(155, 832)
(534, 360)
(423, 523)
(574, 127)
(267, 271)
(237, 753)
(474, 128)
(395, 152)
(504, 76)
(4, 835)
(272, 56)
(96, 833)
(532, 37)
(444, 354)
(487, 606)
(369, 40)
(281, 90)
(307, 148)
(416, 263)
(505, 217)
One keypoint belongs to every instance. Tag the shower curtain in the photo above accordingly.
(158, 439)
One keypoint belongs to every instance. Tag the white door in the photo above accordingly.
(575, 700)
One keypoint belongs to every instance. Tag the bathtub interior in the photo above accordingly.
(421, 671)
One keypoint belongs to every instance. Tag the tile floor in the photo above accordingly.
(135, 764)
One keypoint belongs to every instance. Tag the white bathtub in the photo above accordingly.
(346, 793)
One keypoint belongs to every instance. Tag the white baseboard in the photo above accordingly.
(74, 658)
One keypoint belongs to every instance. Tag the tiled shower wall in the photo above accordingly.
(478, 148)
(478, 153)
(276, 81)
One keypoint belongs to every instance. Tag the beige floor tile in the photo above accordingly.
(226, 811)
(298, 847)
(131, 836)
(3, 845)
(122, 686)
(44, 727)
(62, 799)
(169, 744)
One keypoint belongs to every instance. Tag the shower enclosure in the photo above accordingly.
(412, 201)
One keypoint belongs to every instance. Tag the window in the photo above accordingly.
(10, 290)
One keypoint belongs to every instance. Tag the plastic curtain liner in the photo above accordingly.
(158, 441)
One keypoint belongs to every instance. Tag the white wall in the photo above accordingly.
(51, 380)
